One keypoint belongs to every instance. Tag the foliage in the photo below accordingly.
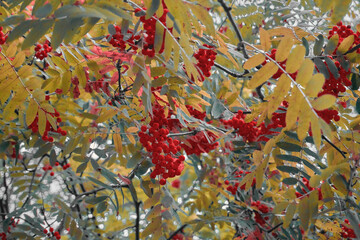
(179, 119)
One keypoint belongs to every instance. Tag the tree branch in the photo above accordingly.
(233, 74)
(241, 46)
(177, 231)
(333, 145)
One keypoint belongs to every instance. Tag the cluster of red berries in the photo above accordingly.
(119, 41)
(202, 142)
(149, 26)
(205, 60)
(48, 167)
(97, 86)
(238, 174)
(263, 209)
(328, 114)
(3, 36)
(250, 131)
(52, 233)
(214, 178)
(343, 32)
(13, 155)
(48, 128)
(347, 232)
(41, 51)
(3, 235)
(163, 149)
(178, 236)
(196, 113)
(306, 183)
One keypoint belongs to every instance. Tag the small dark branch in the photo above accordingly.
(237, 75)
(259, 93)
(274, 228)
(118, 67)
(194, 132)
(137, 222)
(333, 145)
(177, 231)
(352, 49)
(237, 30)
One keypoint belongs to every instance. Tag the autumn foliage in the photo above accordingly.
(172, 119)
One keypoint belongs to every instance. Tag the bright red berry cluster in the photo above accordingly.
(343, 32)
(262, 209)
(41, 51)
(347, 232)
(119, 41)
(234, 187)
(3, 36)
(328, 114)
(202, 142)
(149, 27)
(35, 128)
(205, 60)
(305, 192)
(163, 149)
(51, 233)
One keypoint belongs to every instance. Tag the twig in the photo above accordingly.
(333, 145)
(233, 74)
(177, 231)
(241, 46)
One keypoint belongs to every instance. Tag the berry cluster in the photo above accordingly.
(176, 183)
(149, 26)
(196, 113)
(41, 51)
(3, 37)
(3, 235)
(205, 60)
(282, 64)
(202, 142)
(51, 233)
(306, 183)
(178, 236)
(13, 155)
(250, 132)
(119, 41)
(238, 174)
(343, 32)
(163, 149)
(35, 128)
(97, 86)
(347, 232)
(328, 114)
(214, 178)
(263, 209)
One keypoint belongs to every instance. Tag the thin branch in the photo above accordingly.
(177, 231)
(233, 74)
(241, 45)
(333, 145)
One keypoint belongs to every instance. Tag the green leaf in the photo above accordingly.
(155, 4)
(43, 150)
(311, 166)
(290, 181)
(117, 11)
(12, 20)
(217, 109)
(43, 11)
(95, 200)
(357, 107)
(291, 147)
(288, 169)
(21, 29)
(318, 45)
(134, 160)
(289, 158)
(4, 146)
(95, 165)
(52, 157)
(355, 80)
(109, 176)
(81, 168)
(354, 221)
(59, 32)
(292, 135)
(333, 69)
(322, 67)
(100, 183)
(101, 207)
(306, 45)
(37, 32)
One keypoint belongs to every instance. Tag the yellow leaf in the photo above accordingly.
(305, 72)
(290, 211)
(295, 59)
(339, 184)
(324, 102)
(117, 143)
(254, 61)
(19, 59)
(284, 49)
(42, 122)
(265, 39)
(52, 121)
(327, 193)
(315, 129)
(154, 212)
(304, 120)
(313, 205)
(282, 88)
(292, 112)
(105, 115)
(11, 50)
(263, 75)
(152, 227)
(304, 212)
(152, 201)
(66, 81)
(203, 15)
(314, 86)
(31, 112)
(60, 63)
(248, 179)
(132, 129)
(80, 73)
(346, 44)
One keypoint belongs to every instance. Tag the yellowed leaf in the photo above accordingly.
(284, 49)
(315, 129)
(314, 86)
(31, 112)
(263, 75)
(324, 102)
(304, 120)
(295, 59)
(105, 115)
(254, 61)
(265, 39)
(117, 143)
(305, 72)
(346, 44)
(290, 211)
(152, 201)
(41, 122)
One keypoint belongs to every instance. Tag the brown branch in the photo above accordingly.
(333, 145)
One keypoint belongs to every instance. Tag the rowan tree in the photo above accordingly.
(173, 119)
